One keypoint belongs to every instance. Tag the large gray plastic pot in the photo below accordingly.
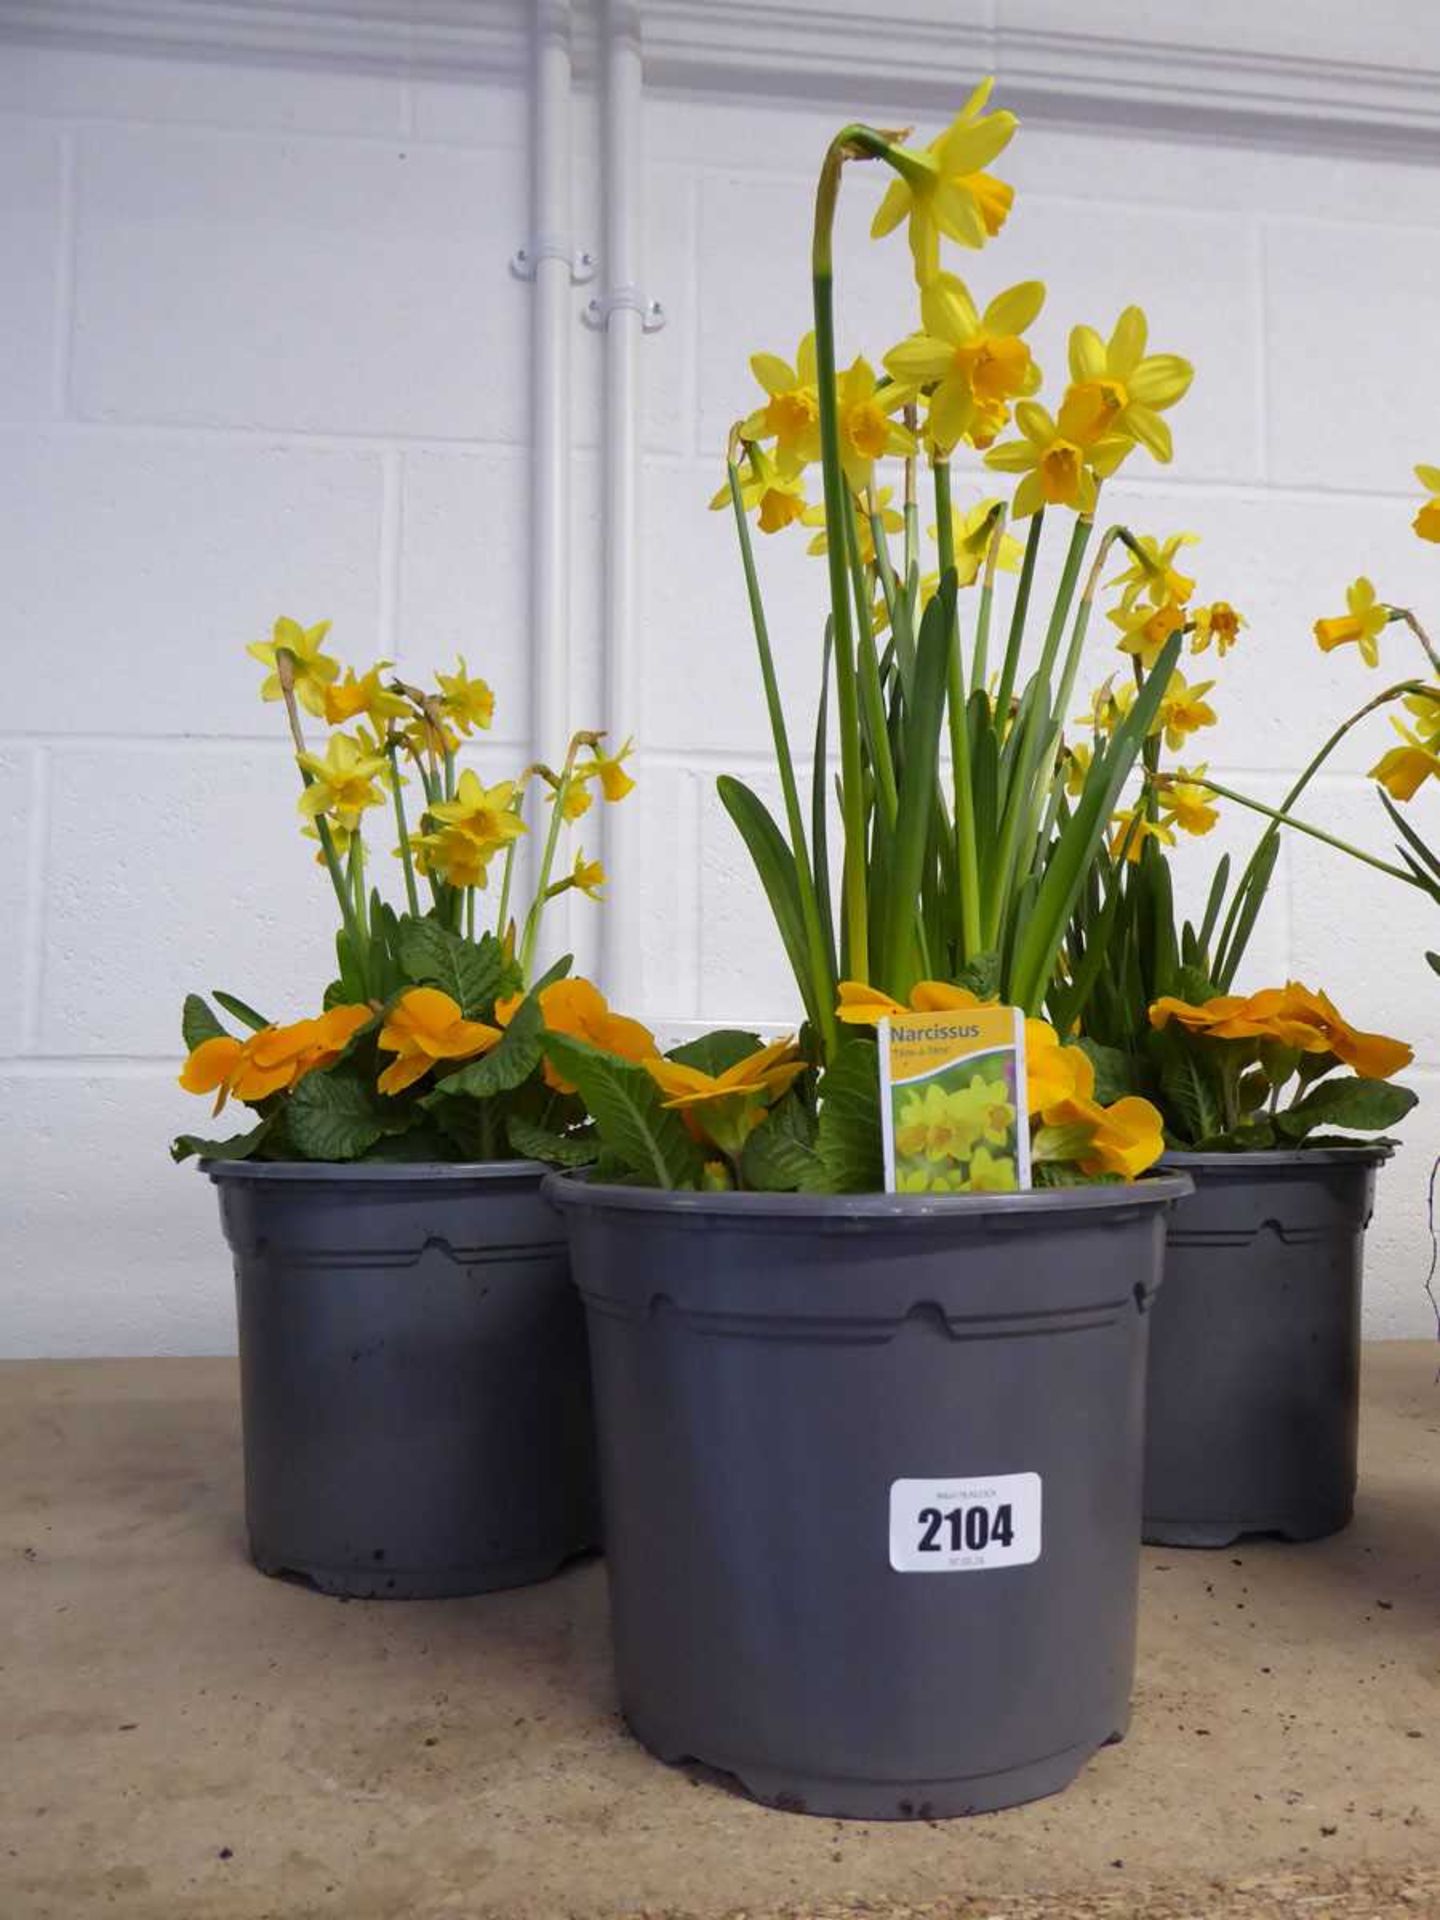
(1255, 1347)
(795, 1397)
(414, 1382)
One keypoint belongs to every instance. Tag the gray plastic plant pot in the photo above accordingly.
(801, 1402)
(1255, 1347)
(414, 1379)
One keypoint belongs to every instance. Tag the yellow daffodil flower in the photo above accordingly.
(469, 703)
(890, 518)
(587, 876)
(946, 190)
(1109, 705)
(1402, 771)
(1152, 571)
(790, 415)
(272, 1060)
(346, 699)
(1077, 768)
(1131, 828)
(1183, 711)
(486, 814)
(1365, 621)
(1218, 622)
(1057, 471)
(991, 1173)
(1186, 801)
(609, 769)
(312, 670)
(1293, 1015)
(774, 488)
(454, 856)
(866, 431)
(1116, 388)
(576, 803)
(1427, 521)
(423, 1027)
(343, 781)
(1144, 629)
(970, 364)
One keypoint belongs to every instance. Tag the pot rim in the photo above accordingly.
(564, 1189)
(1256, 1159)
(375, 1172)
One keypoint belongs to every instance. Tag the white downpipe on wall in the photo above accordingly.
(622, 311)
(553, 320)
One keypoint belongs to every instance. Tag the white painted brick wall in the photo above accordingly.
(259, 350)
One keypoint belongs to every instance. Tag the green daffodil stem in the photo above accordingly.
(285, 672)
(822, 978)
(407, 859)
(1226, 961)
(547, 862)
(980, 663)
(1285, 819)
(507, 874)
(854, 880)
(470, 913)
(1011, 663)
(872, 698)
(1407, 618)
(967, 854)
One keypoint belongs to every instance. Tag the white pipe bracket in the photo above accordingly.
(583, 262)
(624, 300)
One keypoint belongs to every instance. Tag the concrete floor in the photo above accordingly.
(189, 1739)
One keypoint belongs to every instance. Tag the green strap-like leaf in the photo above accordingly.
(625, 1104)
(775, 865)
(895, 963)
(246, 1015)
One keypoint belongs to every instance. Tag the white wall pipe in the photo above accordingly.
(552, 323)
(621, 303)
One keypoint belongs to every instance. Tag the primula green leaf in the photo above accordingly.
(848, 1142)
(1434, 961)
(508, 1065)
(713, 1052)
(781, 1155)
(625, 1104)
(1362, 1105)
(534, 1142)
(423, 1144)
(981, 976)
(473, 972)
(246, 1015)
(198, 1022)
(1056, 1174)
(239, 1146)
(335, 1115)
(1116, 1073)
(1188, 1093)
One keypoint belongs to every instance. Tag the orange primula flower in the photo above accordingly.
(273, 1060)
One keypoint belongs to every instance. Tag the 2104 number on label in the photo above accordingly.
(965, 1526)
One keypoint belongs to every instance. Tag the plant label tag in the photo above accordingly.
(965, 1526)
(952, 1101)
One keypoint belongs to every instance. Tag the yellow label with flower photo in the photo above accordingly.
(950, 1108)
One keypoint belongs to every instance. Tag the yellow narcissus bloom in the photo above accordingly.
(1363, 623)
(970, 364)
(946, 190)
(1131, 828)
(1144, 629)
(272, 1060)
(1218, 622)
(454, 856)
(1427, 521)
(346, 699)
(1077, 768)
(1152, 571)
(1293, 1015)
(587, 875)
(1404, 770)
(486, 814)
(1116, 388)
(469, 703)
(1058, 471)
(1186, 801)
(609, 770)
(891, 520)
(578, 1008)
(343, 781)
(311, 670)
(971, 529)
(866, 431)
(576, 803)
(773, 487)
(1109, 705)
(423, 1027)
(790, 415)
(1183, 711)
(428, 733)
